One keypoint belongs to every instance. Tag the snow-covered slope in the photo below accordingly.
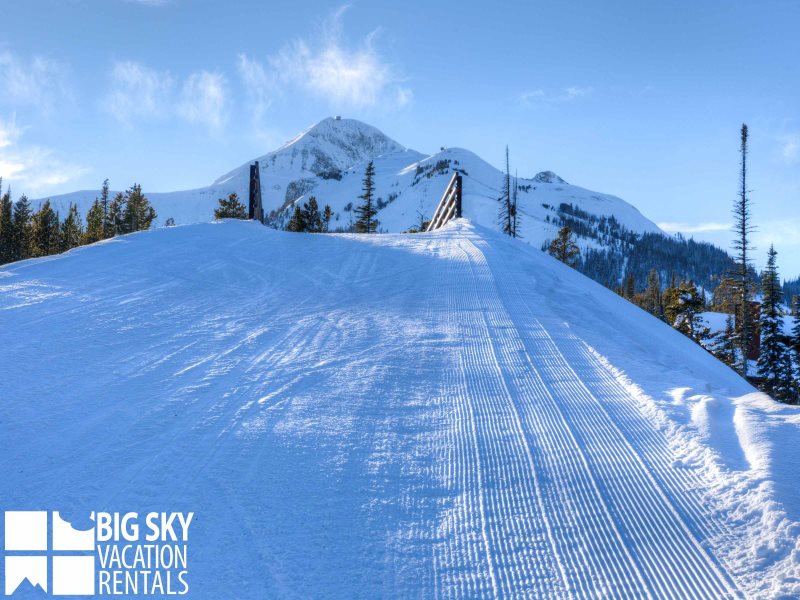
(452, 414)
(328, 161)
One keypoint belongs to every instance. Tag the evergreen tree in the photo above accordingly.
(564, 247)
(6, 226)
(723, 346)
(794, 342)
(297, 223)
(138, 214)
(774, 361)
(95, 223)
(725, 297)
(366, 222)
(311, 216)
(682, 308)
(630, 287)
(71, 230)
(116, 209)
(327, 215)
(108, 225)
(514, 208)
(651, 299)
(230, 208)
(45, 231)
(506, 211)
(743, 228)
(21, 229)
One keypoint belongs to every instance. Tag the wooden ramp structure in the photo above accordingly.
(449, 206)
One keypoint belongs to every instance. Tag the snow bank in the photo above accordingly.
(449, 414)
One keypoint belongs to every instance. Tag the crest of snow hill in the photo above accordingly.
(328, 161)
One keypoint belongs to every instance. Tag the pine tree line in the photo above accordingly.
(28, 234)
(308, 218)
(728, 286)
(627, 253)
(791, 293)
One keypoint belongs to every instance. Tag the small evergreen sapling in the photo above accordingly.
(651, 299)
(723, 346)
(564, 247)
(45, 232)
(116, 209)
(774, 361)
(297, 223)
(230, 208)
(327, 215)
(71, 230)
(107, 225)
(6, 227)
(682, 307)
(506, 211)
(95, 224)
(138, 215)
(311, 216)
(21, 239)
(365, 213)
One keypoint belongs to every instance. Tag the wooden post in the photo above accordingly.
(458, 196)
(256, 211)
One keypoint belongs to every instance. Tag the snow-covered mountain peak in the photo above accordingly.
(352, 136)
(323, 150)
(548, 177)
(328, 159)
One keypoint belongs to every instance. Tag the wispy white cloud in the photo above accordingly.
(38, 82)
(258, 85)
(138, 91)
(790, 147)
(694, 227)
(345, 74)
(141, 92)
(785, 232)
(30, 168)
(540, 98)
(204, 99)
(9, 131)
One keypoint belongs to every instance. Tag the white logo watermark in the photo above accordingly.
(122, 554)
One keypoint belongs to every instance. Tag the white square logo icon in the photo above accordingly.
(73, 575)
(31, 551)
(26, 530)
(20, 568)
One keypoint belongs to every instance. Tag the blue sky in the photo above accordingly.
(643, 100)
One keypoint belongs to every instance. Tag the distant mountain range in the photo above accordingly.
(328, 161)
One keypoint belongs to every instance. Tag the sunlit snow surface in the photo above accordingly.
(442, 415)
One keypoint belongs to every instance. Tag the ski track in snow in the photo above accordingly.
(349, 417)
